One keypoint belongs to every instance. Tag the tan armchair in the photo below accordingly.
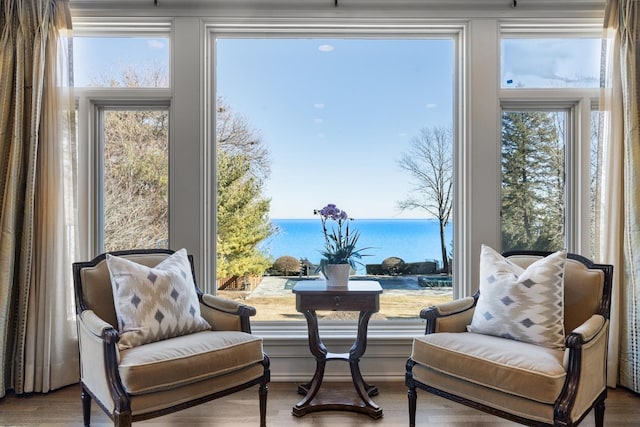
(161, 377)
(522, 382)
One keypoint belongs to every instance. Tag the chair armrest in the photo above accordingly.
(99, 359)
(94, 325)
(586, 361)
(587, 331)
(451, 316)
(224, 314)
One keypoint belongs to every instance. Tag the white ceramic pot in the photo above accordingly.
(337, 275)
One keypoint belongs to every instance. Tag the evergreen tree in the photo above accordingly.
(242, 220)
(532, 181)
(136, 180)
(242, 211)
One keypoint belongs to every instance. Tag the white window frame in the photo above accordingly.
(364, 29)
(99, 107)
(477, 121)
(91, 102)
(578, 103)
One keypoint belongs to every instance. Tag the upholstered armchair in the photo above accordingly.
(532, 384)
(139, 380)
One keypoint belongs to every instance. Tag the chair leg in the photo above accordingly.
(413, 397)
(599, 413)
(122, 419)
(86, 407)
(262, 393)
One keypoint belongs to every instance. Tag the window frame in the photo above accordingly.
(99, 108)
(476, 125)
(569, 109)
(577, 152)
(92, 101)
(578, 103)
(266, 29)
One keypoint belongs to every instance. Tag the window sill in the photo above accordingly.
(338, 329)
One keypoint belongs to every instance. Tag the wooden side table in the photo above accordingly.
(362, 296)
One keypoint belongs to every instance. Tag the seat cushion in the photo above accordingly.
(513, 367)
(174, 362)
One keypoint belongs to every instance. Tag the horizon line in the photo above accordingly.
(368, 218)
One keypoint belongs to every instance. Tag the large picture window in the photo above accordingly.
(366, 124)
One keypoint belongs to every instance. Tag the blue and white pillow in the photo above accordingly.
(521, 304)
(154, 304)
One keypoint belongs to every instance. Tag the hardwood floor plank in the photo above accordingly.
(62, 408)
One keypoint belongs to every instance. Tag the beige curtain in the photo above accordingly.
(37, 175)
(618, 210)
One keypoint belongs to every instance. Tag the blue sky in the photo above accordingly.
(107, 56)
(337, 114)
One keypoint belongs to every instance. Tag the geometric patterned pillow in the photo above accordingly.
(154, 304)
(523, 305)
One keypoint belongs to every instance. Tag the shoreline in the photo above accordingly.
(277, 286)
(412, 240)
(274, 302)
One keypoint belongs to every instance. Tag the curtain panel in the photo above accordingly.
(618, 210)
(38, 344)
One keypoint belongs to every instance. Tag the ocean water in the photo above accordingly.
(413, 240)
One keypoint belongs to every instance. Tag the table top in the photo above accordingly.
(320, 287)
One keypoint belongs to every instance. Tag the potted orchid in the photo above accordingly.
(340, 243)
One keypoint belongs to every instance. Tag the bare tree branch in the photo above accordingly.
(430, 165)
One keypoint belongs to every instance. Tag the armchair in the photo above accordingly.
(520, 381)
(157, 378)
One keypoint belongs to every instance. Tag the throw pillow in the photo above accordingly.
(154, 304)
(521, 304)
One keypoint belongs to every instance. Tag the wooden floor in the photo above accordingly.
(62, 408)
